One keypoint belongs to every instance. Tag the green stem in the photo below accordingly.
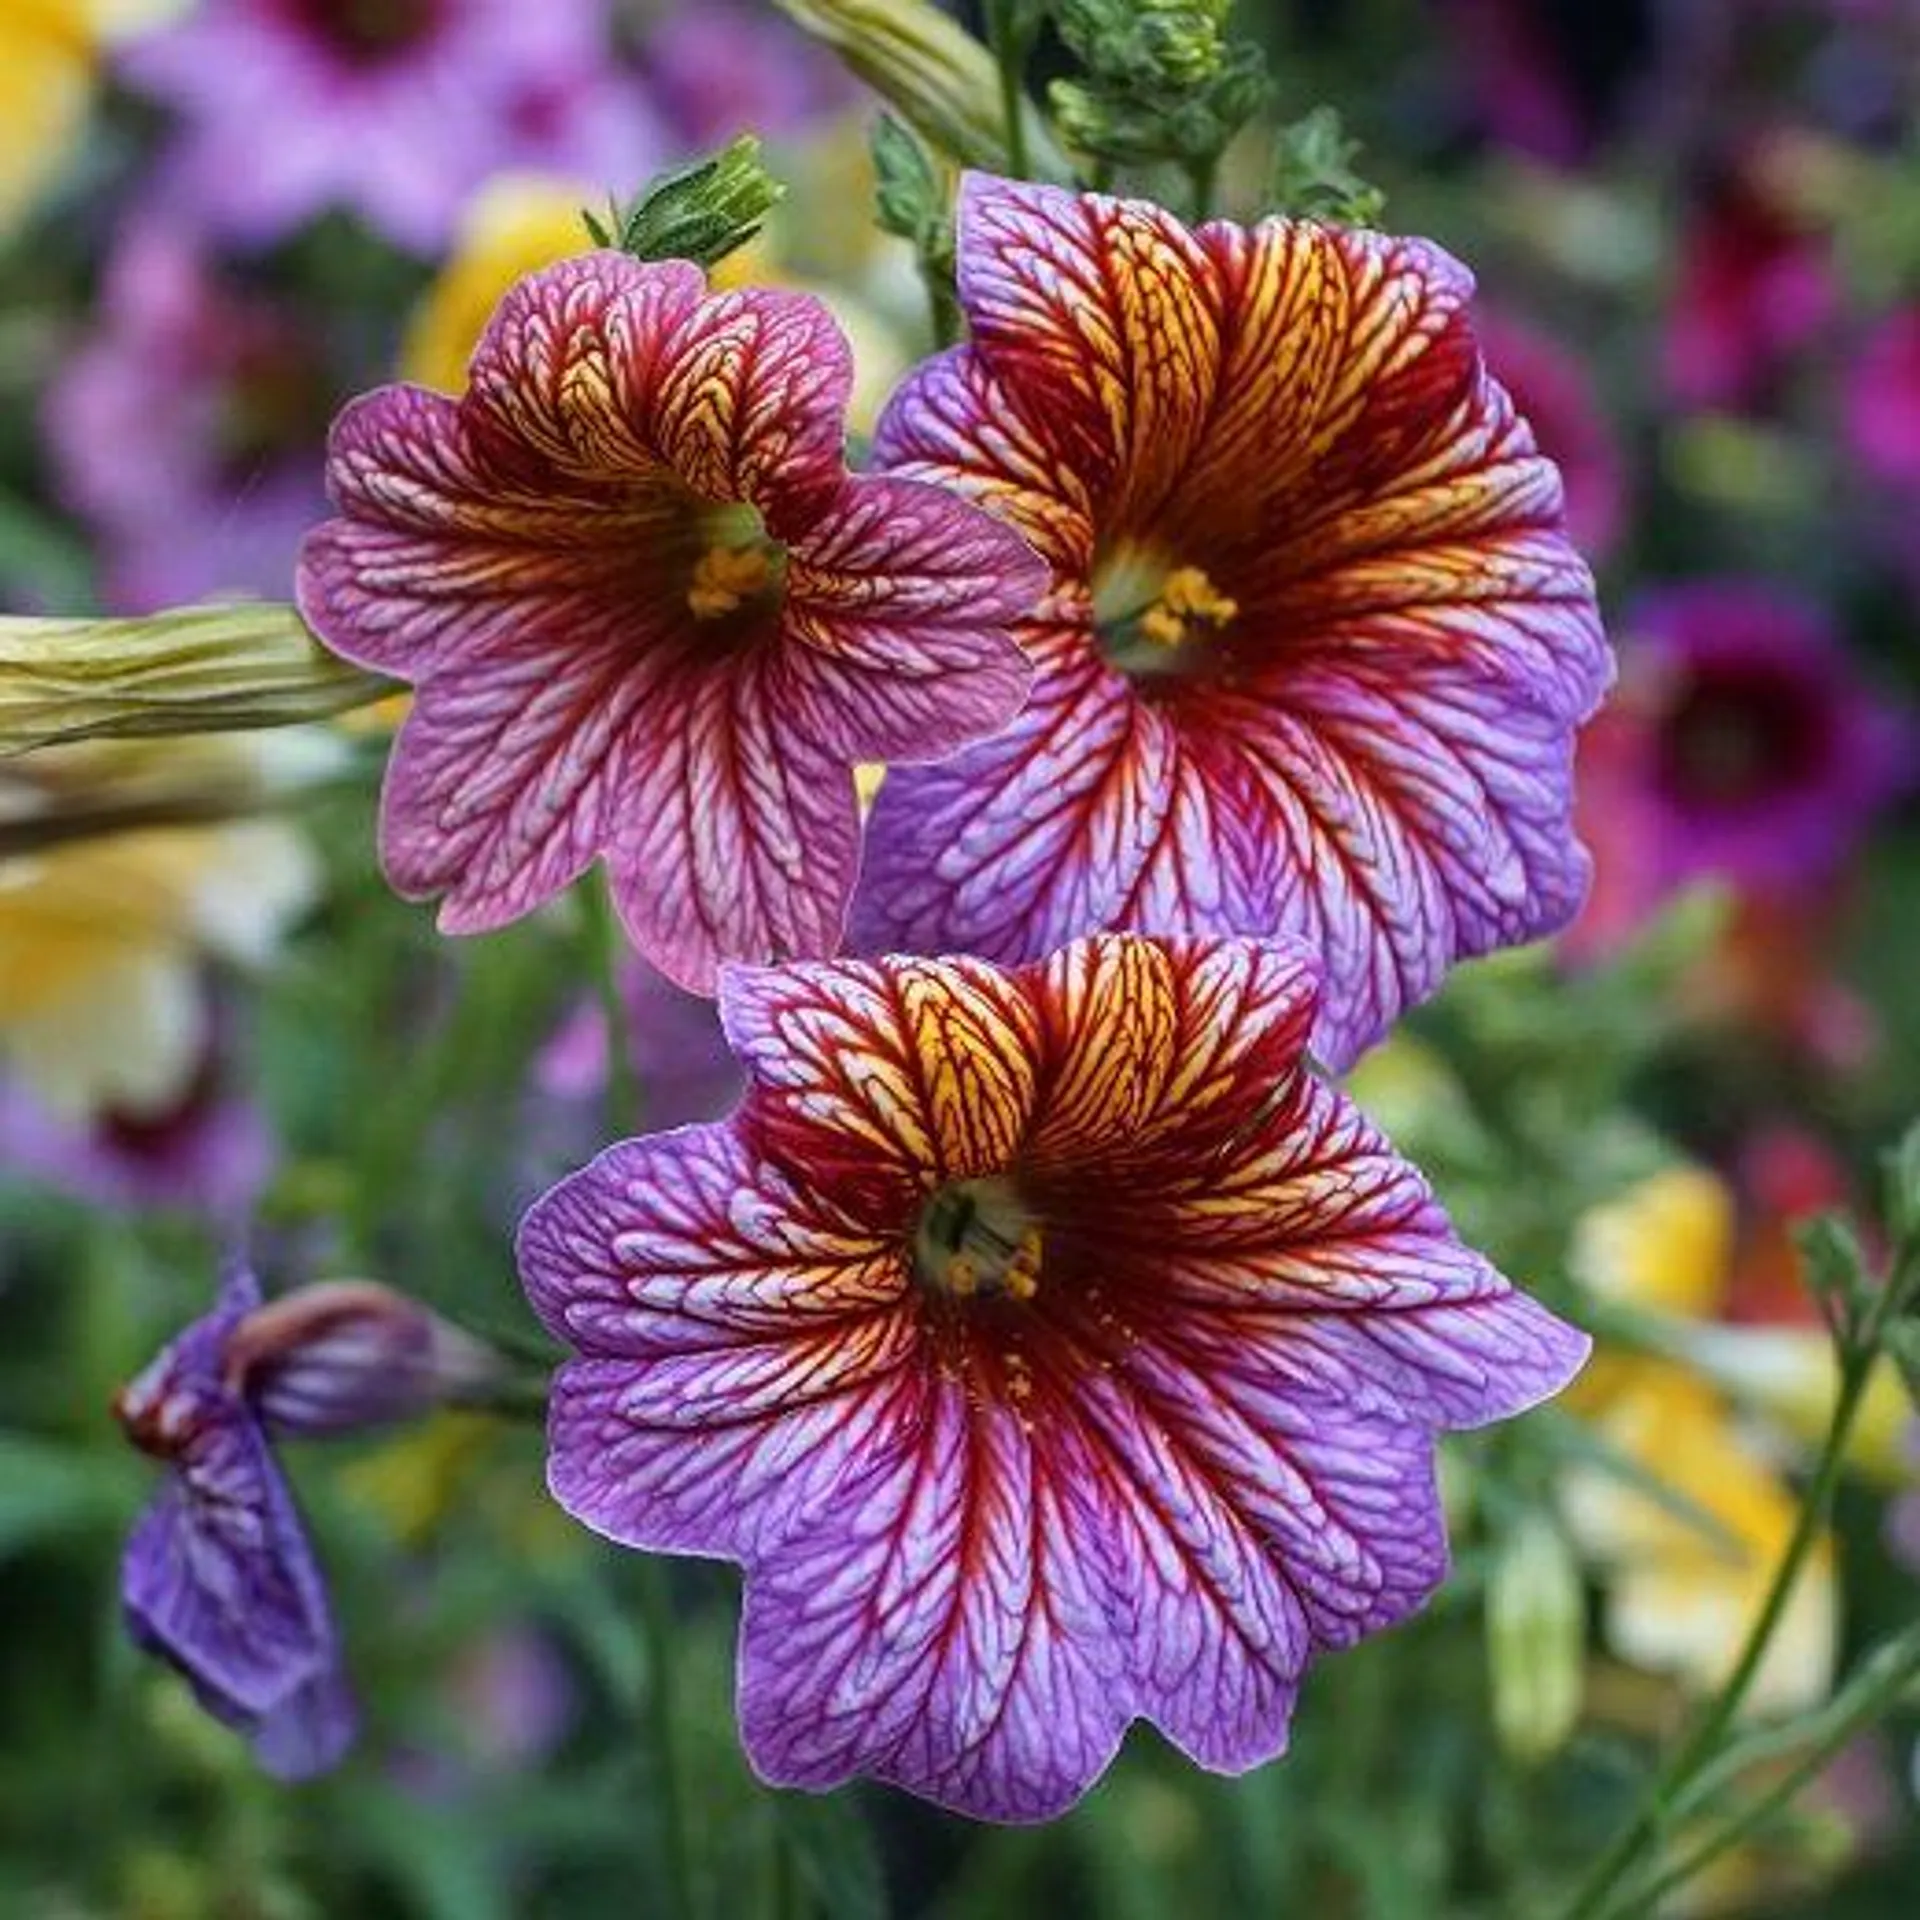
(1858, 1352)
(656, 1622)
(656, 1602)
(606, 949)
(1009, 50)
(1884, 1675)
(1205, 177)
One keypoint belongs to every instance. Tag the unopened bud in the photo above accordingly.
(191, 670)
(1536, 1639)
(346, 1355)
(701, 212)
(939, 79)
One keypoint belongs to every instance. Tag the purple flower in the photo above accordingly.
(186, 430)
(1883, 401)
(1751, 748)
(651, 617)
(219, 1578)
(1051, 1348)
(209, 1153)
(1754, 286)
(1316, 644)
(398, 110)
(717, 69)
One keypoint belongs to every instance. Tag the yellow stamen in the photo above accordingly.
(975, 1240)
(725, 578)
(1187, 603)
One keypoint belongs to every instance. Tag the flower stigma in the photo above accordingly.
(738, 565)
(976, 1239)
(1148, 612)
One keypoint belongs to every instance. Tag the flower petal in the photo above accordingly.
(899, 599)
(1027, 840)
(735, 837)
(882, 1078)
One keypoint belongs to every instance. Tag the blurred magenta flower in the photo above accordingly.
(1882, 401)
(397, 111)
(1744, 744)
(186, 428)
(1317, 643)
(651, 617)
(1754, 284)
(1553, 391)
(717, 68)
(1052, 1349)
(220, 1579)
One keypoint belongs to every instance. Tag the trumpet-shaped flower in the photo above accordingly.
(1050, 1347)
(650, 616)
(1316, 643)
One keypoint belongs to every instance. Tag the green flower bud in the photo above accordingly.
(1536, 1639)
(701, 212)
(940, 80)
(192, 670)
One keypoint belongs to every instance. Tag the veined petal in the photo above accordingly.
(1027, 840)
(1109, 309)
(899, 599)
(934, 1627)
(882, 1078)
(1155, 1042)
(736, 836)
(504, 785)
(1317, 1248)
(686, 1241)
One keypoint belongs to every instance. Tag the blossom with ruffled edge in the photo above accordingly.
(651, 616)
(1050, 1347)
(219, 1577)
(1316, 644)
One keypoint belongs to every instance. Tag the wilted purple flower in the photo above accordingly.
(651, 617)
(1052, 1349)
(186, 429)
(219, 1577)
(398, 111)
(1316, 644)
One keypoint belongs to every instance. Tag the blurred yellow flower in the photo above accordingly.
(103, 937)
(1683, 1586)
(49, 55)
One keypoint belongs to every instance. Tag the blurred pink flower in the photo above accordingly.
(1753, 286)
(1882, 400)
(397, 111)
(187, 429)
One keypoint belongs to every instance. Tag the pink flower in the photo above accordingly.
(650, 615)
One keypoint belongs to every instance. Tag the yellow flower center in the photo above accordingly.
(976, 1239)
(1147, 611)
(738, 566)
